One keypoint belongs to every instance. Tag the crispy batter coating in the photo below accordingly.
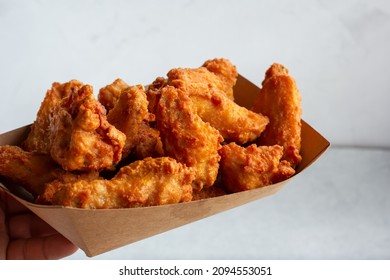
(71, 126)
(149, 142)
(226, 72)
(252, 167)
(279, 99)
(81, 137)
(170, 133)
(211, 101)
(153, 92)
(130, 113)
(147, 182)
(110, 94)
(186, 137)
(30, 170)
(38, 140)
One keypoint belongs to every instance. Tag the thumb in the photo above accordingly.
(51, 247)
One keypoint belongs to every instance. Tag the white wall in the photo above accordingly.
(338, 51)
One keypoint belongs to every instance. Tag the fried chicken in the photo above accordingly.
(30, 170)
(279, 99)
(147, 182)
(81, 137)
(38, 139)
(212, 101)
(129, 113)
(110, 94)
(252, 167)
(226, 72)
(170, 135)
(186, 137)
(153, 92)
(149, 142)
(71, 126)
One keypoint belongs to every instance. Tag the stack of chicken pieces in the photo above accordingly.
(181, 138)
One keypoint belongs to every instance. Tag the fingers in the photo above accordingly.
(41, 248)
(3, 235)
(28, 225)
(29, 236)
(9, 204)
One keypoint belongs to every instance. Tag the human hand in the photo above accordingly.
(23, 235)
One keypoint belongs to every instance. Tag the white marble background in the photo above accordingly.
(338, 51)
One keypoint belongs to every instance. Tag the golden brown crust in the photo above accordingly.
(279, 99)
(186, 137)
(252, 167)
(147, 182)
(30, 170)
(71, 126)
(128, 115)
(225, 71)
(180, 122)
(81, 137)
(38, 140)
(109, 95)
(153, 92)
(149, 142)
(212, 104)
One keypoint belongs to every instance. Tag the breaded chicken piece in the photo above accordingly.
(153, 92)
(110, 94)
(149, 142)
(186, 137)
(279, 99)
(38, 140)
(129, 113)
(252, 167)
(147, 182)
(225, 71)
(30, 170)
(211, 102)
(81, 137)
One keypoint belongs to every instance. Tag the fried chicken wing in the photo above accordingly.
(110, 94)
(153, 92)
(186, 137)
(226, 72)
(129, 113)
(30, 170)
(149, 142)
(81, 137)
(182, 138)
(147, 182)
(212, 103)
(38, 140)
(252, 167)
(279, 99)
